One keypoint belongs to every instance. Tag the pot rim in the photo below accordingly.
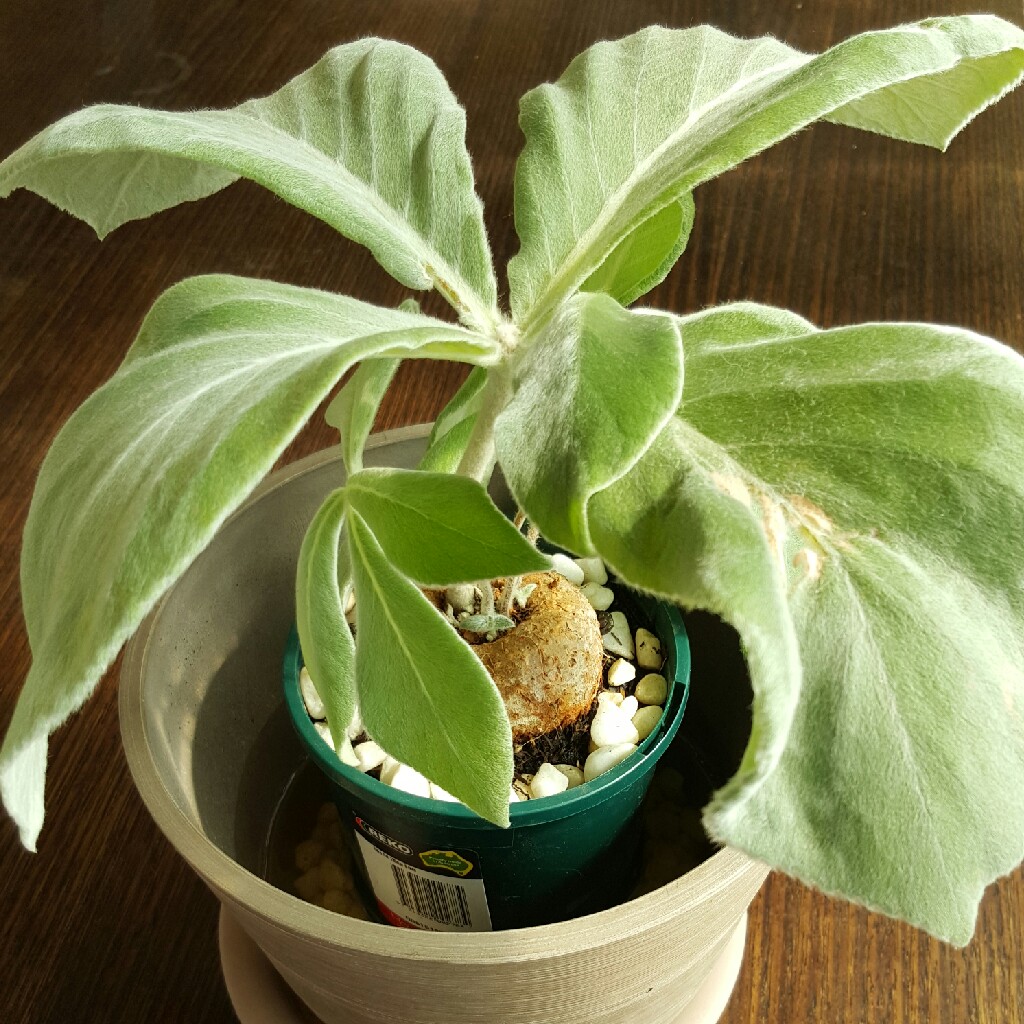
(291, 914)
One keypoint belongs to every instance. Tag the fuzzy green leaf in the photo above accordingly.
(423, 694)
(644, 257)
(874, 474)
(370, 140)
(453, 428)
(327, 644)
(440, 529)
(591, 394)
(355, 406)
(634, 124)
(224, 372)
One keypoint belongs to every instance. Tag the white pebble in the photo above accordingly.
(370, 755)
(324, 733)
(604, 758)
(612, 697)
(621, 672)
(314, 705)
(437, 793)
(629, 706)
(646, 720)
(572, 773)
(652, 689)
(600, 598)
(388, 769)
(648, 649)
(593, 570)
(611, 726)
(619, 639)
(565, 566)
(548, 781)
(408, 780)
(513, 796)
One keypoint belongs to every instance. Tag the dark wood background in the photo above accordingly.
(105, 923)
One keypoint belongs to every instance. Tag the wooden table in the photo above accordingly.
(105, 923)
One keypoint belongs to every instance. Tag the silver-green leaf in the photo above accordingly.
(440, 529)
(354, 408)
(634, 124)
(370, 140)
(320, 588)
(423, 694)
(590, 395)
(224, 372)
(645, 256)
(881, 468)
(449, 437)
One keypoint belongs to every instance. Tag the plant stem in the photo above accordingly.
(478, 459)
(486, 597)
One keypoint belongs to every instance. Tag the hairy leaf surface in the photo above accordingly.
(423, 694)
(223, 374)
(440, 529)
(327, 645)
(877, 473)
(590, 395)
(645, 256)
(370, 140)
(449, 437)
(634, 124)
(355, 406)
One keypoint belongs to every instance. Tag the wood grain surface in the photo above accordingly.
(105, 923)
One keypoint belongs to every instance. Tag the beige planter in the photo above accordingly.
(211, 750)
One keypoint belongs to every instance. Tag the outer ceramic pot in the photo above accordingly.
(211, 749)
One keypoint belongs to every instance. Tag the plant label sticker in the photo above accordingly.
(437, 889)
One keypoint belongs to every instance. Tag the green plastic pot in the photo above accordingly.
(437, 865)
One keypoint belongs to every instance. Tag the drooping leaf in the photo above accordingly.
(882, 466)
(370, 140)
(591, 394)
(423, 694)
(644, 257)
(440, 529)
(355, 406)
(634, 124)
(223, 374)
(327, 645)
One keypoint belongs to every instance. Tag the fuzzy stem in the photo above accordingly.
(507, 593)
(512, 583)
(486, 597)
(478, 459)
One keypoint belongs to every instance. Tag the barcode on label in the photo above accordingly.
(444, 902)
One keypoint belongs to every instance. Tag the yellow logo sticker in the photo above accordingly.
(449, 860)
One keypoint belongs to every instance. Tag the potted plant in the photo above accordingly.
(789, 482)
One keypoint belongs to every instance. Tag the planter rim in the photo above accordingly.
(291, 914)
